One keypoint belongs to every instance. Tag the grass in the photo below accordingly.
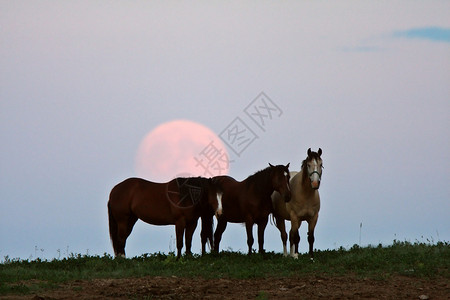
(404, 258)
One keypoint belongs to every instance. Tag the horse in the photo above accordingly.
(249, 201)
(179, 202)
(304, 204)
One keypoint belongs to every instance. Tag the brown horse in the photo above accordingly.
(179, 202)
(304, 205)
(249, 201)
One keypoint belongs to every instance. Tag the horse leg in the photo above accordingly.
(221, 225)
(261, 229)
(282, 228)
(250, 240)
(190, 228)
(294, 237)
(180, 225)
(124, 228)
(311, 226)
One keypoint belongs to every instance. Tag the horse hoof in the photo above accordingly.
(312, 260)
(295, 256)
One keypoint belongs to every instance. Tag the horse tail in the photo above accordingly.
(210, 237)
(113, 229)
(217, 182)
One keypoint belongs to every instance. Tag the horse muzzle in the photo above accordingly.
(315, 179)
(315, 184)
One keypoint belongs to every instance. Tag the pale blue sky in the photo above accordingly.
(82, 83)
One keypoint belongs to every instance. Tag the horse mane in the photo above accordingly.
(260, 180)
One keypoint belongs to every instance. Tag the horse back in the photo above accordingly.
(239, 200)
(231, 193)
(121, 194)
(230, 188)
(143, 199)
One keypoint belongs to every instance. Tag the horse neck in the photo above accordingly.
(261, 182)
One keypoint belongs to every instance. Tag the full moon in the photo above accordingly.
(181, 148)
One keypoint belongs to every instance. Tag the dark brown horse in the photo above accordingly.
(304, 205)
(179, 202)
(249, 201)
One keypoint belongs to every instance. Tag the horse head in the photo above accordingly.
(313, 166)
(280, 180)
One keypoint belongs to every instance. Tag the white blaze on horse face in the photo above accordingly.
(314, 171)
(219, 206)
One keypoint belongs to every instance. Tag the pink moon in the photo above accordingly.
(181, 148)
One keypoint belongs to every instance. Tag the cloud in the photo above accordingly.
(435, 34)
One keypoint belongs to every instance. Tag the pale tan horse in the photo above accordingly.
(304, 204)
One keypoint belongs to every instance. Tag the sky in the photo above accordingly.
(83, 82)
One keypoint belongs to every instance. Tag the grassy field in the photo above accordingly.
(378, 262)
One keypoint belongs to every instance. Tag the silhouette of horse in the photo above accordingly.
(304, 204)
(249, 201)
(179, 202)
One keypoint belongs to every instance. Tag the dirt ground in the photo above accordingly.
(348, 287)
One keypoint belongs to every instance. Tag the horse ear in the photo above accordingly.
(270, 165)
(319, 152)
(287, 166)
(309, 151)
